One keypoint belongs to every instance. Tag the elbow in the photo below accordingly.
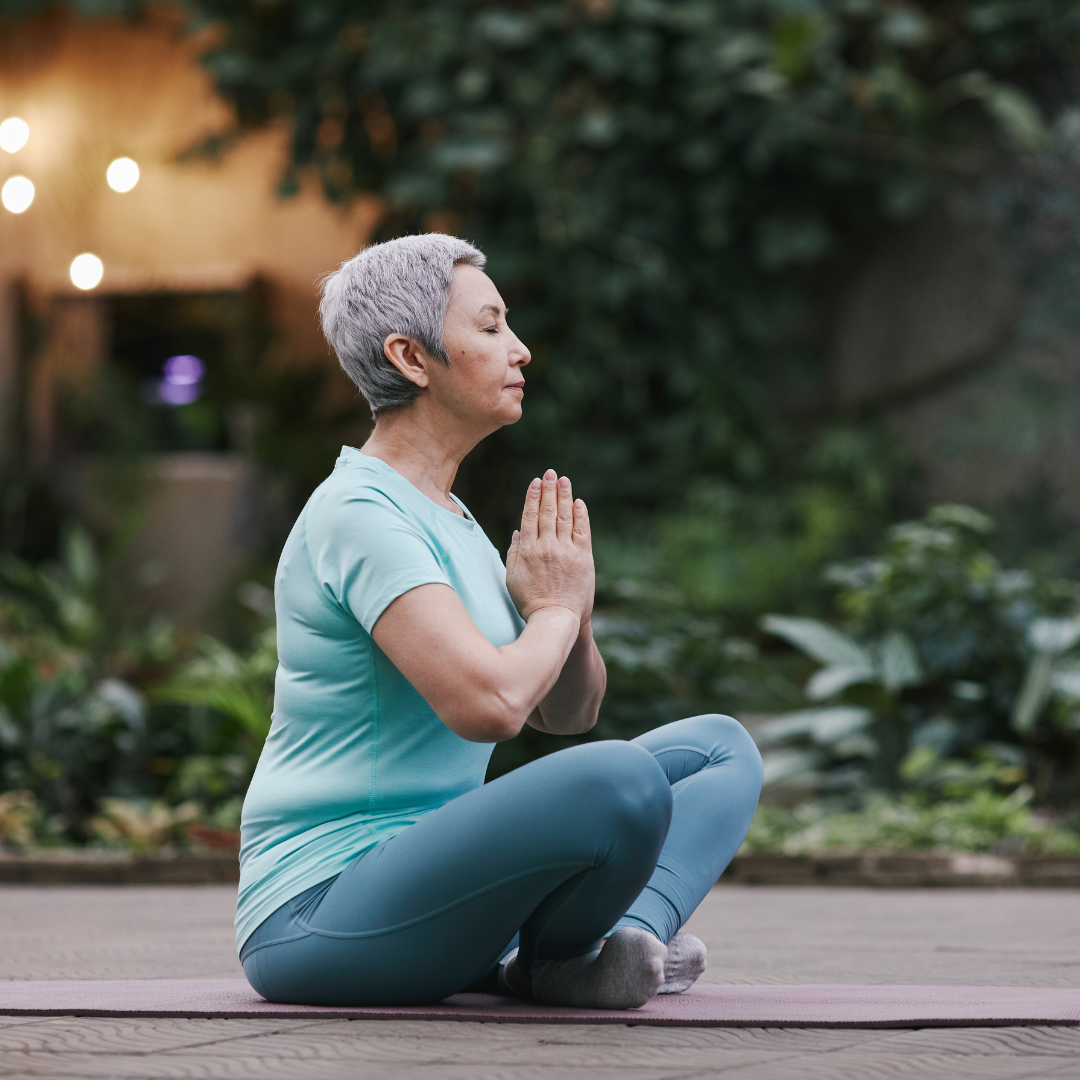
(586, 722)
(504, 716)
(488, 717)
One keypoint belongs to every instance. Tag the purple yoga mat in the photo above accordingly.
(701, 1006)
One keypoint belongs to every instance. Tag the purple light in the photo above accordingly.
(171, 393)
(183, 371)
(181, 380)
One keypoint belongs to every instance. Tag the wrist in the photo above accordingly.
(555, 613)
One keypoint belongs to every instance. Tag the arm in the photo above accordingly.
(481, 692)
(573, 703)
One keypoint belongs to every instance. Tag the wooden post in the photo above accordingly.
(73, 350)
(9, 372)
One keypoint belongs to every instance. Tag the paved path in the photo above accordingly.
(754, 935)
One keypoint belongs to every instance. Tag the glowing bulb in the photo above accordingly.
(122, 174)
(86, 271)
(13, 134)
(17, 194)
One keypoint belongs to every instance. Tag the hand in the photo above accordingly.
(550, 561)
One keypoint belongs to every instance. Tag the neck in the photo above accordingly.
(427, 450)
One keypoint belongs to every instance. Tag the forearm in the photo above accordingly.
(524, 672)
(572, 704)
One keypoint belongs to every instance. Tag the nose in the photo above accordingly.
(519, 354)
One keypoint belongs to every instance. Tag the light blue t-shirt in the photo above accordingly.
(354, 753)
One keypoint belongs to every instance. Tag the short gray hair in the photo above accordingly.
(400, 287)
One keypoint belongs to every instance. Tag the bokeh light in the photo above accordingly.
(181, 381)
(86, 271)
(13, 134)
(122, 174)
(17, 194)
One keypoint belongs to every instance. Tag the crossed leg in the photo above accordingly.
(558, 852)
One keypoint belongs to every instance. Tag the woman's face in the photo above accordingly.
(484, 384)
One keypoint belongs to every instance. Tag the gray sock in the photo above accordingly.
(624, 974)
(685, 962)
(506, 984)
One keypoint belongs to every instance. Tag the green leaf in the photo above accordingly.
(80, 558)
(965, 516)
(1066, 682)
(784, 765)
(900, 665)
(1016, 114)
(918, 763)
(818, 640)
(824, 726)
(835, 678)
(1034, 694)
(1053, 637)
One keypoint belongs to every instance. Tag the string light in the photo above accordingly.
(17, 194)
(13, 134)
(86, 271)
(122, 174)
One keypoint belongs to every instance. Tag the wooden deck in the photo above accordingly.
(755, 935)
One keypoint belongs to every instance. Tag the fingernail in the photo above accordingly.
(550, 474)
(564, 482)
(514, 538)
(535, 484)
(579, 502)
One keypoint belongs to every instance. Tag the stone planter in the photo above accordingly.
(67, 866)
(911, 869)
(886, 870)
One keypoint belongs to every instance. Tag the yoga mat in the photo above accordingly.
(701, 1006)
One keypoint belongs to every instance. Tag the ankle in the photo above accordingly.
(517, 980)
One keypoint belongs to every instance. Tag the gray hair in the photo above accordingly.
(400, 287)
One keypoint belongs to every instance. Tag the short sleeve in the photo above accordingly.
(365, 553)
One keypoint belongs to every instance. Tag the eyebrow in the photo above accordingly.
(494, 307)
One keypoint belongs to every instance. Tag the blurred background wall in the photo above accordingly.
(198, 252)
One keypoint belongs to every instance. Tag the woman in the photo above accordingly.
(377, 867)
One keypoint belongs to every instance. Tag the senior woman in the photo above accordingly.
(377, 867)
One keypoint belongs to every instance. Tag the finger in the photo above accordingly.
(531, 513)
(582, 527)
(548, 505)
(512, 554)
(564, 519)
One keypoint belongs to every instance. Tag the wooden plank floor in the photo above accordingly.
(755, 935)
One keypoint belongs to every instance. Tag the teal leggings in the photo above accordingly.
(550, 857)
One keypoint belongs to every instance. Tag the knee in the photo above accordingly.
(733, 745)
(625, 787)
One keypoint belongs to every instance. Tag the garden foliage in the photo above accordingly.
(943, 656)
(97, 708)
(984, 821)
(669, 193)
(653, 183)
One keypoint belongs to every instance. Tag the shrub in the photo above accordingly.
(95, 707)
(941, 651)
(985, 821)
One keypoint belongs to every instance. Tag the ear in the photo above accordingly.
(408, 357)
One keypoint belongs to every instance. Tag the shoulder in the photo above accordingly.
(364, 516)
(355, 494)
